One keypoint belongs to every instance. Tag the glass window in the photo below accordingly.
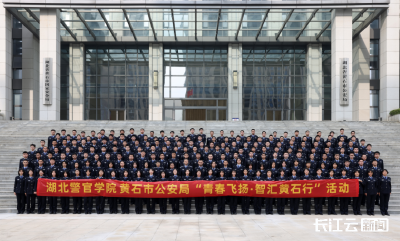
(195, 77)
(17, 47)
(374, 104)
(17, 73)
(269, 75)
(326, 87)
(17, 99)
(16, 23)
(121, 84)
(64, 81)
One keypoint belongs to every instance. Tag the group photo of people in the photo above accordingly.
(195, 156)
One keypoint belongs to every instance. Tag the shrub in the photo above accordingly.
(394, 112)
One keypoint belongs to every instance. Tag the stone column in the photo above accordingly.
(50, 48)
(156, 95)
(5, 64)
(30, 75)
(76, 81)
(361, 46)
(389, 60)
(341, 40)
(235, 95)
(314, 82)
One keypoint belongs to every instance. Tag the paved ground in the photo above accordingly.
(184, 227)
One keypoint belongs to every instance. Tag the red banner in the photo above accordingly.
(174, 189)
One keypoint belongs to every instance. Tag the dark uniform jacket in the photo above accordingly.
(19, 184)
(30, 185)
(371, 185)
(385, 185)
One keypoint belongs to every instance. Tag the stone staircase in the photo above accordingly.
(16, 136)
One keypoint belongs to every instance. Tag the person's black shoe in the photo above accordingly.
(387, 214)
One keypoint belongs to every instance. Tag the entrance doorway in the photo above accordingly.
(117, 115)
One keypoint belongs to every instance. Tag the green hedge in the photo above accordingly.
(394, 112)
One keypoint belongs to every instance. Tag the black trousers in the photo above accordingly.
(187, 204)
(64, 204)
(199, 203)
(175, 204)
(306, 205)
(113, 204)
(245, 204)
(331, 205)
(52, 204)
(77, 201)
(318, 204)
(30, 203)
(138, 205)
(151, 205)
(357, 203)
(384, 202)
(41, 204)
(210, 204)
(294, 205)
(100, 204)
(163, 205)
(370, 199)
(88, 204)
(233, 202)
(221, 205)
(344, 205)
(20, 202)
(269, 205)
(280, 206)
(124, 205)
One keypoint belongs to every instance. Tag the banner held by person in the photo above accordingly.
(171, 189)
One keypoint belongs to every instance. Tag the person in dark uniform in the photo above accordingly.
(187, 201)
(306, 201)
(331, 200)
(357, 200)
(344, 201)
(19, 191)
(221, 199)
(88, 201)
(210, 200)
(53, 200)
(280, 205)
(30, 192)
(100, 200)
(318, 200)
(257, 201)
(41, 199)
(269, 201)
(384, 191)
(151, 202)
(233, 200)
(125, 200)
(113, 201)
(138, 201)
(245, 199)
(371, 190)
(163, 201)
(64, 200)
(174, 201)
(77, 201)
(198, 201)
(294, 202)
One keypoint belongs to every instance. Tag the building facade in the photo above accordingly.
(269, 60)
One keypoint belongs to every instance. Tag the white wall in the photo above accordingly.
(50, 48)
(5, 64)
(30, 75)
(341, 41)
